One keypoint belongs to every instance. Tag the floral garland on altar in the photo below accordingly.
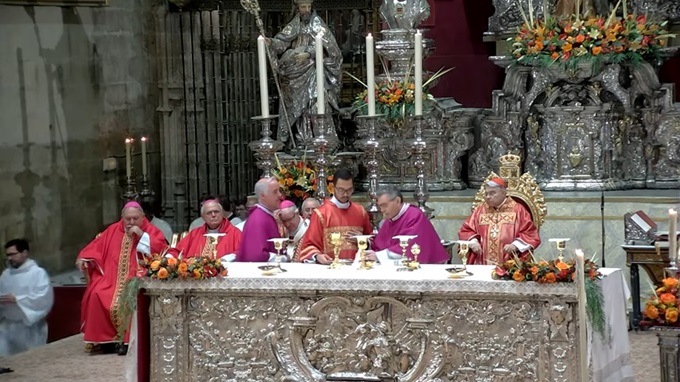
(663, 307)
(566, 41)
(560, 271)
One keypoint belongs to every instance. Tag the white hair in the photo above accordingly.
(209, 202)
(310, 200)
(261, 186)
(292, 209)
(131, 208)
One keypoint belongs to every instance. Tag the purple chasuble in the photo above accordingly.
(260, 227)
(412, 222)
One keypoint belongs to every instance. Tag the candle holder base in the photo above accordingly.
(418, 147)
(266, 147)
(372, 146)
(146, 193)
(324, 142)
(130, 193)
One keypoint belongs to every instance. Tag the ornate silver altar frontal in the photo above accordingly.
(271, 329)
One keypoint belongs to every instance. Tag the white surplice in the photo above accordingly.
(23, 325)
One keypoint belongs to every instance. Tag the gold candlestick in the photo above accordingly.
(561, 244)
(362, 243)
(336, 242)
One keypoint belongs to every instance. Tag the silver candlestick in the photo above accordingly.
(325, 140)
(265, 147)
(372, 147)
(418, 146)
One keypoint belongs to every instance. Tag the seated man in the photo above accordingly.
(336, 215)
(109, 261)
(499, 228)
(404, 219)
(261, 224)
(26, 297)
(195, 244)
(294, 225)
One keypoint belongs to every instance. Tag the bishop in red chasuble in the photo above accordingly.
(337, 214)
(499, 228)
(108, 261)
(195, 244)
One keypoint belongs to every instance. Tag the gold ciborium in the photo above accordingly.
(415, 251)
(279, 243)
(336, 242)
(561, 244)
(213, 238)
(403, 243)
(362, 243)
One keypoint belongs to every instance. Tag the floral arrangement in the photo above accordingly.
(299, 180)
(395, 98)
(663, 307)
(566, 41)
(560, 271)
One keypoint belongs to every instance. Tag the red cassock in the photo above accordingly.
(113, 260)
(194, 244)
(330, 218)
(494, 228)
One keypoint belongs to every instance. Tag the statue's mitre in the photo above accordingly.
(298, 2)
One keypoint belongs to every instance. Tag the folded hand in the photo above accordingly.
(476, 247)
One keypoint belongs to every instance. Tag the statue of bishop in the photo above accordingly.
(404, 14)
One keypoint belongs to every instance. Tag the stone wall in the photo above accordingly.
(75, 82)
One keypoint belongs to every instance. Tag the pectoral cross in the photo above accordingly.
(494, 231)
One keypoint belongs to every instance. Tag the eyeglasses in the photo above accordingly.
(339, 190)
(12, 254)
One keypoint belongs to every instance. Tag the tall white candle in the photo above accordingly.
(418, 78)
(582, 318)
(144, 164)
(320, 88)
(672, 236)
(370, 75)
(128, 159)
(262, 64)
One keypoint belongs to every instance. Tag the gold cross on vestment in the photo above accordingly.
(494, 231)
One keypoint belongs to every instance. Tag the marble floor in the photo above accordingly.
(65, 360)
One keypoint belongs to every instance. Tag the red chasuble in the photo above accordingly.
(194, 244)
(497, 227)
(330, 218)
(113, 259)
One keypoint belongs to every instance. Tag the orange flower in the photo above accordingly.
(651, 312)
(534, 270)
(555, 55)
(566, 47)
(518, 276)
(670, 282)
(182, 267)
(672, 315)
(224, 272)
(597, 50)
(550, 278)
(542, 263)
(197, 274)
(561, 265)
(154, 265)
(163, 273)
(289, 182)
(667, 298)
(539, 46)
(171, 261)
(580, 38)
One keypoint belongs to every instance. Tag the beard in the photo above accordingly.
(305, 17)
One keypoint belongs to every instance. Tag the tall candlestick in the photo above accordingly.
(128, 159)
(262, 64)
(144, 164)
(582, 318)
(418, 78)
(672, 236)
(370, 75)
(320, 88)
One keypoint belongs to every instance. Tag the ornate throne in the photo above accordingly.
(522, 189)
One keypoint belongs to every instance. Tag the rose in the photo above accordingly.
(155, 265)
(667, 298)
(561, 265)
(197, 274)
(672, 315)
(651, 312)
(163, 273)
(172, 262)
(670, 282)
(550, 278)
(182, 267)
(518, 276)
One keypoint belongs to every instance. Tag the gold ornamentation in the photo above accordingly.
(575, 156)
(122, 276)
(522, 187)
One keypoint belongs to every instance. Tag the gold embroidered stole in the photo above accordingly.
(495, 219)
(121, 278)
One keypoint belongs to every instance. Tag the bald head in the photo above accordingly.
(268, 193)
(212, 213)
(309, 205)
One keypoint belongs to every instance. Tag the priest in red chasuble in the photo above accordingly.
(404, 219)
(196, 244)
(337, 214)
(108, 261)
(499, 228)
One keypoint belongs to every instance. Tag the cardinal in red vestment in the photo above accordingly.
(403, 219)
(499, 228)
(195, 244)
(108, 262)
(337, 214)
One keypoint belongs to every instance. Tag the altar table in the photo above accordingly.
(315, 324)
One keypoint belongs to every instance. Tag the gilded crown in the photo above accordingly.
(510, 160)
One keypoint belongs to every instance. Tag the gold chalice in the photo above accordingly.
(362, 243)
(279, 243)
(336, 242)
(415, 251)
(561, 244)
(463, 252)
(403, 243)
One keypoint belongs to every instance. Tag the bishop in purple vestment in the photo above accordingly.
(403, 219)
(261, 224)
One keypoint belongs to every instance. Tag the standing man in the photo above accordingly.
(401, 219)
(337, 214)
(108, 262)
(195, 244)
(26, 298)
(309, 205)
(295, 47)
(499, 228)
(261, 224)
